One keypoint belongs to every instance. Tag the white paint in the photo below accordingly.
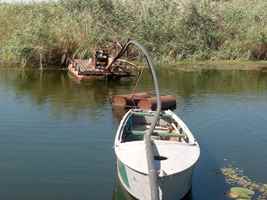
(175, 173)
(173, 187)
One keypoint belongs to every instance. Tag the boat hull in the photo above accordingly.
(172, 187)
(80, 77)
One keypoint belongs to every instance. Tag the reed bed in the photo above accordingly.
(44, 34)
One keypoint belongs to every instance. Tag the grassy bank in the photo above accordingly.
(43, 33)
(190, 65)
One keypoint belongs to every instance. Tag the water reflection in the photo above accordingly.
(118, 113)
(63, 94)
(56, 88)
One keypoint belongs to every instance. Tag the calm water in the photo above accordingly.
(56, 135)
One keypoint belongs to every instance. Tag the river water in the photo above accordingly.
(56, 135)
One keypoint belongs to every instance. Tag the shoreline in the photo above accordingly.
(219, 65)
(180, 65)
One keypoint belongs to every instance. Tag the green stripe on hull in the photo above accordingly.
(123, 173)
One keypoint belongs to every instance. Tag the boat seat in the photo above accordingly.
(137, 132)
(134, 135)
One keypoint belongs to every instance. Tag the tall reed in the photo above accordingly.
(45, 33)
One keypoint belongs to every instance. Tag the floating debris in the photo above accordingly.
(245, 188)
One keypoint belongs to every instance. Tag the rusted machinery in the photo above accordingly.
(167, 102)
(102, 65)
(128, 100)
(143, 100)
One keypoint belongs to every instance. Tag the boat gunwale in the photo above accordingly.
(169, 113)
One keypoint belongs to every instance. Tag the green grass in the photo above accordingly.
(43, 33)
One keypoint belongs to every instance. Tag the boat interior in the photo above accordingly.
(166, 128)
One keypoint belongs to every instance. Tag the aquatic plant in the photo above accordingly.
(45, 33)
(241, 193)
(244, 187)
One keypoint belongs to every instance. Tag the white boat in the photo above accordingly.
(155, 151)
(175, 154)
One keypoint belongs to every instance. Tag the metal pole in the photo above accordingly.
(152, 173)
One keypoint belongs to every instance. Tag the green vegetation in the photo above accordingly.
(44, 33)
(245, 188)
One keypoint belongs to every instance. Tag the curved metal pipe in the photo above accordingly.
(152, 173)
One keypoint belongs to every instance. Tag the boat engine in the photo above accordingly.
(101, 59)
